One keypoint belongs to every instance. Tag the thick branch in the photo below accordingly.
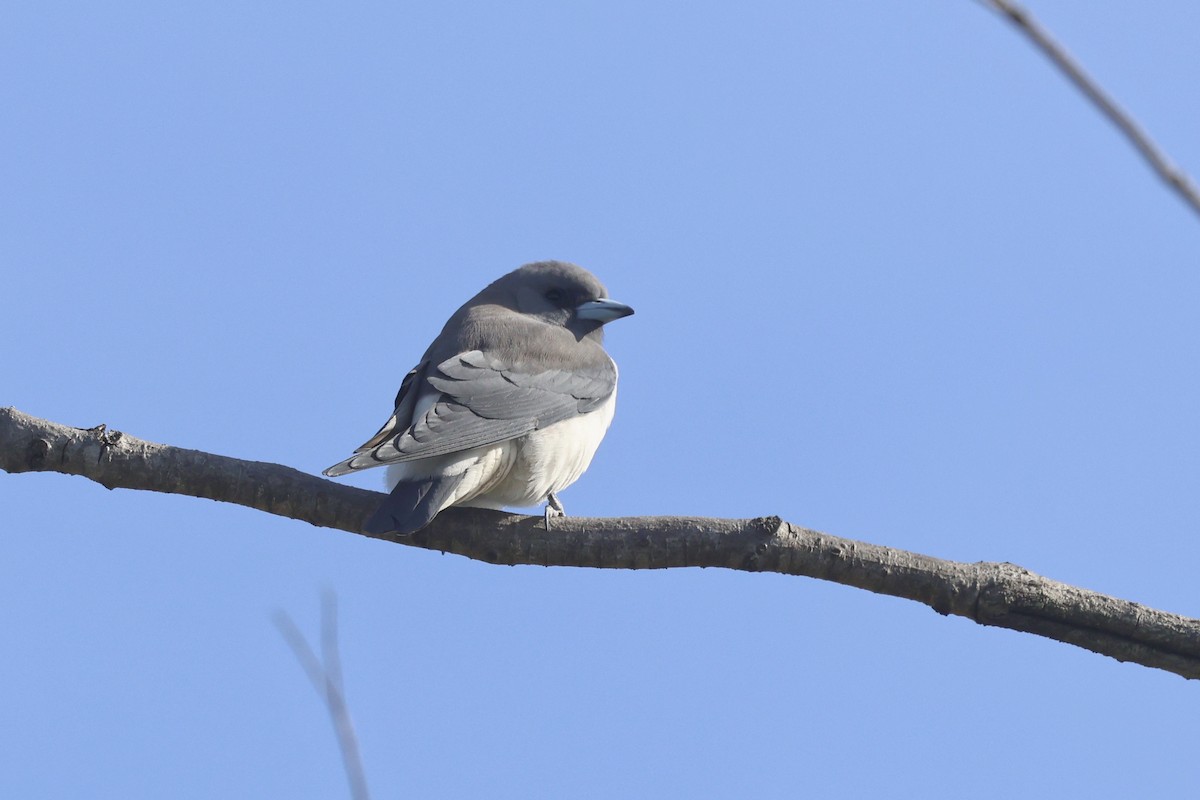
(1002, 595)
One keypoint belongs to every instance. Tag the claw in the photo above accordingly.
(554, 508)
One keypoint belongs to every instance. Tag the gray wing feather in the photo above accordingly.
(448, 428)
(406, 401)
(484, 401)
(481, 401)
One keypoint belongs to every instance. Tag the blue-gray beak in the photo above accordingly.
(602, 311)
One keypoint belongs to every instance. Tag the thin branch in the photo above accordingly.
(1003, 595)
(1158, 161)
(330, 653)
(326, 679)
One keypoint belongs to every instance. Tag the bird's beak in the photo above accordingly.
(602, 310)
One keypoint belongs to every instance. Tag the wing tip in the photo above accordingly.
(340, 468)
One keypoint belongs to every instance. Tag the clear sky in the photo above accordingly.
(894, 280)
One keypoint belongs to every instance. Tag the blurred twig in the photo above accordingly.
(327, 680)
(1158, 161)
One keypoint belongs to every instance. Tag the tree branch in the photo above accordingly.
(1002, 595)
(1158, 161)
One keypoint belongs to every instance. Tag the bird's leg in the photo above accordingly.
(554, 508)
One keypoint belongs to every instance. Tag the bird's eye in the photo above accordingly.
(556, 296)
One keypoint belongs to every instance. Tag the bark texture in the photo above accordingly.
(998, 594)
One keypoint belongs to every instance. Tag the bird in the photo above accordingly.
(507, 406)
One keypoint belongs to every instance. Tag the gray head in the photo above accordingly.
(559, 293)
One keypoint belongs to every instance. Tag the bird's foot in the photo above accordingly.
(554, 508)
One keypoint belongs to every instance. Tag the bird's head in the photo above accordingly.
(561, 294)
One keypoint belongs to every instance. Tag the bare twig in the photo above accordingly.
(330, 653)
(327, 680)
(1003, 595)
(1158, 161)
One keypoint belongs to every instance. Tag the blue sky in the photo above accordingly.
(894, 280)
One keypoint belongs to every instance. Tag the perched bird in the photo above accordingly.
(506, 407)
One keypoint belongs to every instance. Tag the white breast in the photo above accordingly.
(551, 459)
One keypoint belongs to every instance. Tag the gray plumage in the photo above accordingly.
(508, 404)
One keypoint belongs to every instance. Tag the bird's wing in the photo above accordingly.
(408, 399)
(483, 401)
(402, 417)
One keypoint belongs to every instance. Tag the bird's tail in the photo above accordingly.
(412, 505)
